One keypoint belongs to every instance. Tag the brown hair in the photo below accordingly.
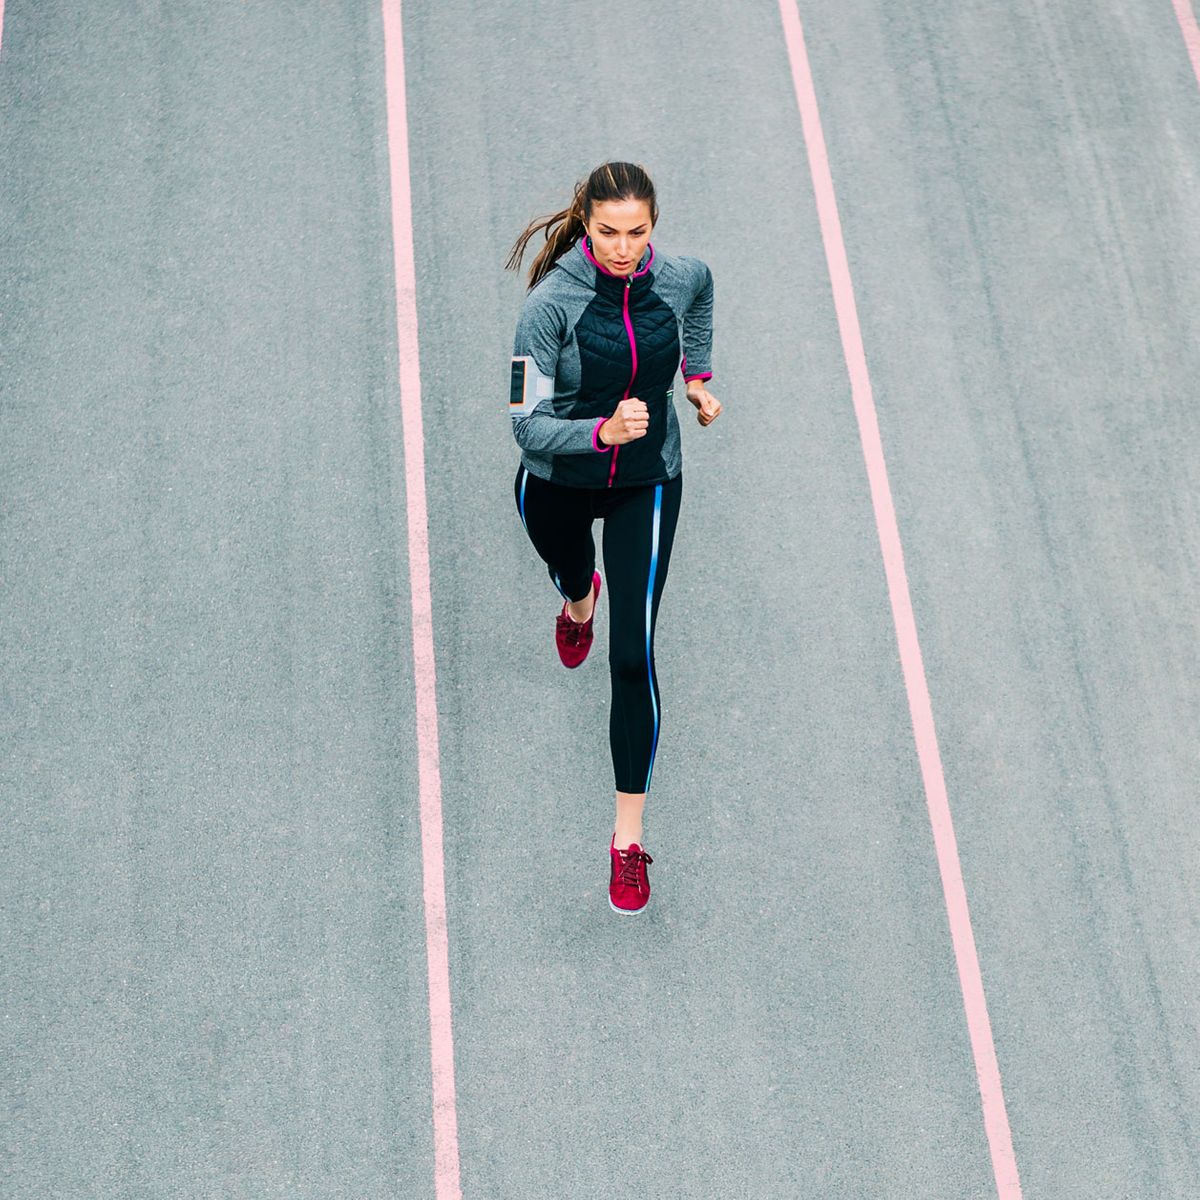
(609, 181)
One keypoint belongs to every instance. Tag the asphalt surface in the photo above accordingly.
(214, 973)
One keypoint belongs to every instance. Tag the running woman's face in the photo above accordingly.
(620, 231)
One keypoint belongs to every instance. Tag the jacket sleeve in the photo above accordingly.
(697, 329)
(539, 338)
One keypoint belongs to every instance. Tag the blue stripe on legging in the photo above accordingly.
(649, 603)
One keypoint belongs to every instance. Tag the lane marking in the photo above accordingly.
(441, 1040)
(987, 1070)
(1, 26)
(1183, 12)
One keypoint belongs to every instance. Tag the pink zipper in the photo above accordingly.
(633, 347)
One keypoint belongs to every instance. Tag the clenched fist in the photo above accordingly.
(631, 420)
(708, 407)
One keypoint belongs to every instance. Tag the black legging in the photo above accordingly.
(639, 527)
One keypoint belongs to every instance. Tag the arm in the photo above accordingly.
(531, 394)
(697, 330)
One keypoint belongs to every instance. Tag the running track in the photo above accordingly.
(301, 880)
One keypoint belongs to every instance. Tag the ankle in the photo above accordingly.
(573, 607)
(624, 838)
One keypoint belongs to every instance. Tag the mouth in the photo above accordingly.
(620, 264)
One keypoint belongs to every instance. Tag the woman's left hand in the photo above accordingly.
(708, 407)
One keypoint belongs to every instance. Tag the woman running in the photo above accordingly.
(597, 346)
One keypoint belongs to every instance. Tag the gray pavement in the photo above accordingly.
(214, 978)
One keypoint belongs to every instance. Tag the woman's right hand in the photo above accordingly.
(631, 420)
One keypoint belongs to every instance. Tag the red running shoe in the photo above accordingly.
(573, 638)
(628, 887)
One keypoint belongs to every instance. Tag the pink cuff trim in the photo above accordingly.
(596, 436)
(689, 378)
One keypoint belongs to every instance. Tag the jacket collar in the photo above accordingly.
(584, 266)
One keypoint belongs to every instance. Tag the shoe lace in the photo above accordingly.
(572, 630)
(632, 866)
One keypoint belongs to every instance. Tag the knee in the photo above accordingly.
(628, 664)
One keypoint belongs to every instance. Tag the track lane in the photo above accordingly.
(210, 867)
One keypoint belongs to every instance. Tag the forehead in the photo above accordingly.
(621, 214)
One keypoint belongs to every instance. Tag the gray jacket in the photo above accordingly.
(587, 339)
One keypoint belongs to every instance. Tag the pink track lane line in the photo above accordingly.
(1, 26)
(441, 1041)
(995, 1116)
(1187, 22)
